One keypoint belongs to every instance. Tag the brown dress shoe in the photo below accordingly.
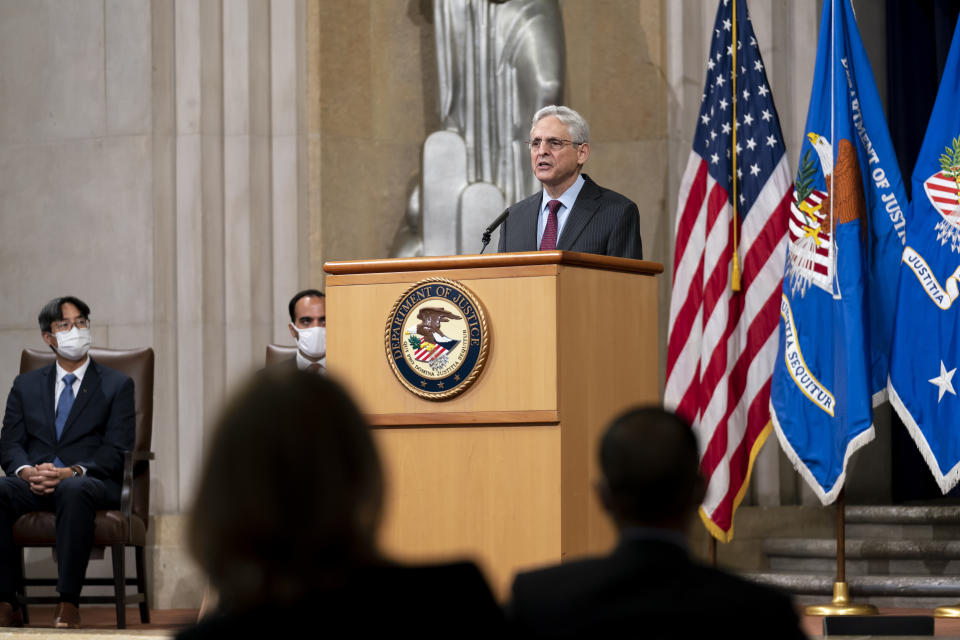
(67, 616)
(10, 617)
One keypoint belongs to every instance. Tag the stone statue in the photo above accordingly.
(497, 63)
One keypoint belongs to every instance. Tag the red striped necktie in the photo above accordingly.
(549, 240)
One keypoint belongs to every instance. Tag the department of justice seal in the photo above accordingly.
(437, 339)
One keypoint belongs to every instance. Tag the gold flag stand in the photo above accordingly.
(841, 605)
(951, 611)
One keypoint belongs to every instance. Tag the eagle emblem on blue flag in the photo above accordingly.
(846, 235)
(814, 211)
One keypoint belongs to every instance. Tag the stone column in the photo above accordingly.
(239, 249)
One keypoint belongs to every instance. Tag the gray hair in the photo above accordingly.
(579, 129)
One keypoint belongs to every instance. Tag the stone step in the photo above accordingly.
(884, 602)
(946, 588)
(896, 556)
(864, 557)
(891, 514)
(863, 548)
(897, 522)
(867, 567)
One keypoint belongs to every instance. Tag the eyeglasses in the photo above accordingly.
(66, 325)
(553, 143)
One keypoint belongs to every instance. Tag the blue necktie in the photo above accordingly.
(63, 409)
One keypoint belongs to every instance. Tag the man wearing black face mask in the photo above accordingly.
(65, 429)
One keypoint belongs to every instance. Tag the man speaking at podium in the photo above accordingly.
(572, 213)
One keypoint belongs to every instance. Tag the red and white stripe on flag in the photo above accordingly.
(722, 344)
(429, 354)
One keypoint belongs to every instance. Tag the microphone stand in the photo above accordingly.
(493, 226)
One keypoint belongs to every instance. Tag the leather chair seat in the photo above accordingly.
(279, 352)
(38, 528)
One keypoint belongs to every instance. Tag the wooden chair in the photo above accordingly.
(116, 529)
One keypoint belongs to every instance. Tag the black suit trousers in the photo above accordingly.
(75, 502)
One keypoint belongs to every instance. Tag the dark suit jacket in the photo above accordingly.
(652, 587)
(438, 601)
(287, 364)
(100, 427)
(601, 221)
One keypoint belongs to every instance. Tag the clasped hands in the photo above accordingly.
(44, 477)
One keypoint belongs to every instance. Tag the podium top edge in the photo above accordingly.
(519, 259)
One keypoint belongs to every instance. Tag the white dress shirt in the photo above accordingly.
(303, 362)
(58, 388)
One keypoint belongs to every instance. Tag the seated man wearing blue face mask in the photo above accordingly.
(308, 326)
(65, 429)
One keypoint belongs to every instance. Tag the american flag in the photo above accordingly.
(428, 352)
(722, 344)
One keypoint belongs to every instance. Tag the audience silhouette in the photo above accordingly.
(285, 524)
(648, 585)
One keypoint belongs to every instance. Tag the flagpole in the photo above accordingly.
(835, 147)
(841, 605)
(735, 271)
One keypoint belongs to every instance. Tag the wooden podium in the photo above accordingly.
(503, 473)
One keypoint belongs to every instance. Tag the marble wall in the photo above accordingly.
(75, 157)
(153, 163)
(152, 159)
(375, 80)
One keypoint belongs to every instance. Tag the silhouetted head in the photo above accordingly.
(291, 491)
(651, 470)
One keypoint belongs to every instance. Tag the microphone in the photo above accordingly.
(493, 226)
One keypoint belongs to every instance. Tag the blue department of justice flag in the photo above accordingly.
(846, 233)
(926, 344)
